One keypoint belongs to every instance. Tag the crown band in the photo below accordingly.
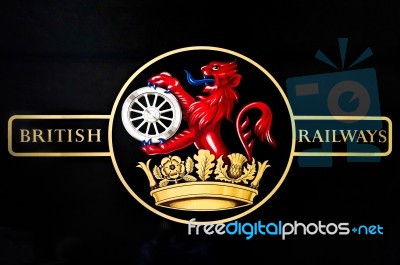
(204, 196)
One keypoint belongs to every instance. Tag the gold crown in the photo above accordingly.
(217, 186)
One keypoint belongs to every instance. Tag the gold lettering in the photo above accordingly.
(303, 134)
(37, 134)
(361, 135)
(97, 134)
(338, 136)
(318, 136)
(24, 136)
(327, 135)
(79, 135)
(49, 136)
(61, 135)
(334, 140)
(69, 135)
(59, 131)
(382, 134)
(348, 135)
(371, 134)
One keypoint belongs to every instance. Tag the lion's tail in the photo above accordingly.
(262, 128)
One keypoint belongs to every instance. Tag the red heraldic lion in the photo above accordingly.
(205, 114)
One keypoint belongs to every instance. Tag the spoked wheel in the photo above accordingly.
(151, 115)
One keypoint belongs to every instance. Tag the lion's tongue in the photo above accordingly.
(198, 82)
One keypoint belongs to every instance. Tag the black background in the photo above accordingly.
(74, 56)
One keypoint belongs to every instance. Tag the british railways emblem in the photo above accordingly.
(201, 131)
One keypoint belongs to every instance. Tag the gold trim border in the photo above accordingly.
(368, 118)
(52, 117)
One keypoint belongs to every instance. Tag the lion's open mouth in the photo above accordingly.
(208, 89)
